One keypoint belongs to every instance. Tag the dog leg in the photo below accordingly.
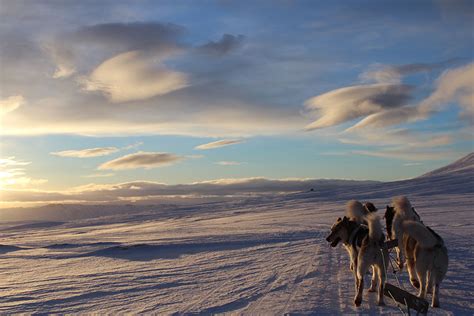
(358, 297)
(412, 273)
(361, 270)
(399, 258)
(423, 283)
(381, 275)
(373, 282)
(429, 284)
(409, 245)
(435, 300)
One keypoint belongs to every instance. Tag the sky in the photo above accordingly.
(108, 96)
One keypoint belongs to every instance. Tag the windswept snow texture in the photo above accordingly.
(264, 255)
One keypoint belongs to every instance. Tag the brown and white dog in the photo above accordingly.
(426, 254)
(430, 257)
(366, 243)
(400, 211)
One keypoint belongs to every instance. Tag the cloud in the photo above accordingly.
(405, 114)
(154, 191)
(395, 137)
(164, 86)
(394, 73)
(133, 76)
(130, 36)
(223, 46)
(86, 153)
(13, 174)
(410, 164)
(345, 104)
(453, 86)
(10, 104)
(67, 50)
(63, 57)
(99, 175)
(229, 163)
(141, 159)
(132, 146)
(408, 154)
(11, 161)
(219, 143)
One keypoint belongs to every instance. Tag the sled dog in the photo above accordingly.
(430, 258)
(357, 212)
(365, 243)
(406, 243)
(401, 211)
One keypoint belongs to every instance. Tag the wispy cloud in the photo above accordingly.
(453, 86)
(394, 73)
(407, 154)
(223, 46)
(410, 164)
(99, 175)
(132, 146)
(134, 76)
(13, 174)
(10, 104)
(219, 143)
(345, 104)
(141, 159)
(395, 137)
(86, 153)
(229, 163)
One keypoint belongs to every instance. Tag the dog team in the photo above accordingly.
(419, 247)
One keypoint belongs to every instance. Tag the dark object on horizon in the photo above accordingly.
(312, 190)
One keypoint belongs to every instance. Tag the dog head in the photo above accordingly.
(339, 231)
(389, 214)
(370, 207)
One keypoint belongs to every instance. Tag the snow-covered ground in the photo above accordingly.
(264, 255)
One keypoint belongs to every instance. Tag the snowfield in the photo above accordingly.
(264, 255)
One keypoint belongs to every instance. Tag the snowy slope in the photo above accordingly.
(459, 167)
(263, 255)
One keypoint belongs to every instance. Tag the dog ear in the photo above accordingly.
(339, 219)
(345, 219)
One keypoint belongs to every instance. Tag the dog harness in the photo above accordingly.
(355, 239)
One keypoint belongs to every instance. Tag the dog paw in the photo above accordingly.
(436, 304)
(357, 302)
(372, 290)
(381, 303)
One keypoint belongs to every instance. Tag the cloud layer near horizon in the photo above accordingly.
(145, 190)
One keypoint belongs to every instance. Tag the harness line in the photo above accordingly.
(385, 271)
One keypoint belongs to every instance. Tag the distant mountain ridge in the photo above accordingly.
(462, 165)
(455, 178)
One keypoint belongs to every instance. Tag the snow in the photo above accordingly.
(264, 255)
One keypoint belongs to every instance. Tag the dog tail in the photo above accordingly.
(420, 233)
(355, 211)
(375, 228)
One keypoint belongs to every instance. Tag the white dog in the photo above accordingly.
(403, 212)
(430, 258)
